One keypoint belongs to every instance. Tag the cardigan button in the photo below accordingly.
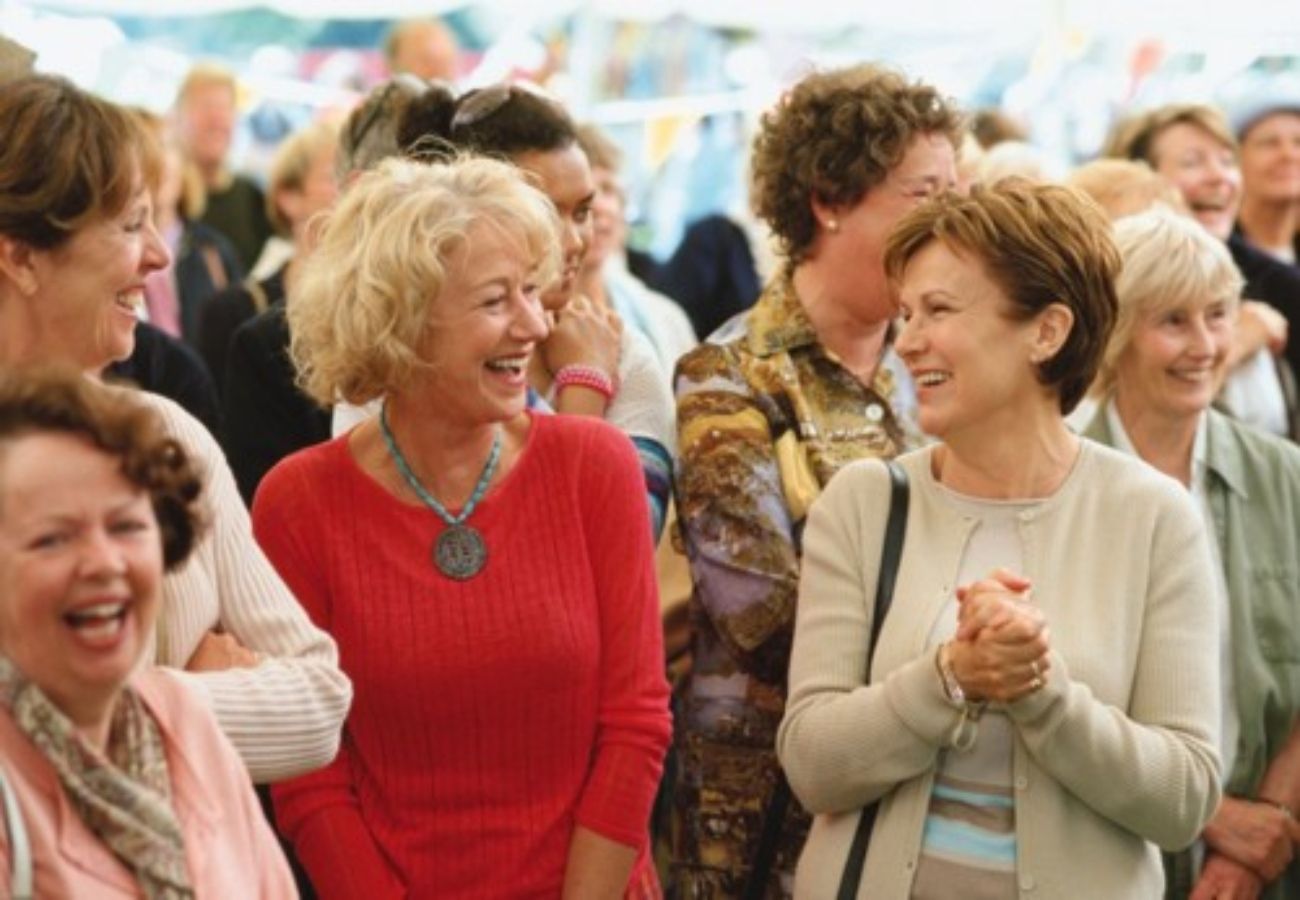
(1022, 784)
(1027, 882)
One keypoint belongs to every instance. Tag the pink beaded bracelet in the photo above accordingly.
(585, 376)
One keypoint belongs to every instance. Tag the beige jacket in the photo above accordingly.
(1114, 757)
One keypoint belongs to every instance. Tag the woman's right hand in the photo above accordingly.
(1001, 651)
(1222, 878)
(585, 334)
(217, 652)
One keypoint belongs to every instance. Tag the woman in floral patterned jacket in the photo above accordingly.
(768, 410)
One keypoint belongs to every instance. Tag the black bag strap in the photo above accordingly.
(889, 557)
(779, 804)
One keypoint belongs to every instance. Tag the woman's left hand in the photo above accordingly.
(992, 602)
(1226, 879)
(1256, 835)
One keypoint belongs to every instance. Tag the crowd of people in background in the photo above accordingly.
(342, 515)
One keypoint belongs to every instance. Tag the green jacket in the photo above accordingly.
(1254, 494)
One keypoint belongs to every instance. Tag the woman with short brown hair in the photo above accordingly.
(1004, 755)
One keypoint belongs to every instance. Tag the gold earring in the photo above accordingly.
(833, 225)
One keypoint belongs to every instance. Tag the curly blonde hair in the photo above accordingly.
(362, 304)
(835, 136)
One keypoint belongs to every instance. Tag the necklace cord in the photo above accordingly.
(484, 479)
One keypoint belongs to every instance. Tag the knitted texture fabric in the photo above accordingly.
(493, 715)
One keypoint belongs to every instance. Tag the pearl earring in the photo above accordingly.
(833, 225)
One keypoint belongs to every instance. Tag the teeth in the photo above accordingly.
(930, 379)
(515, 365)
(97, 612)
(132, 300)
(102, 630)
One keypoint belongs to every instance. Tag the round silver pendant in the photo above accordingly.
(460, 553)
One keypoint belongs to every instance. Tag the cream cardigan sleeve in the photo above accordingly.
(843, 743)
(284, 715)
(1151, 766)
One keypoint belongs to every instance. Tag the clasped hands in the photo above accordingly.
(1249, 846)
(1001, 648)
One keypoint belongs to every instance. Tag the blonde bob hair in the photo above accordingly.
(291, 166)
(362, 305)
(1169, 261)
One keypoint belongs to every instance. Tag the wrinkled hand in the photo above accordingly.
(219, 651)
(1255, 835)
(1259, 325)
(1225, 879)
(585, 334)
(1001, 649)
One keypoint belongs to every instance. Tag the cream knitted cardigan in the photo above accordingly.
(285, 715)
(1115, 756)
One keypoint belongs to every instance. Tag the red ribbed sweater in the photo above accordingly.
(490, 716)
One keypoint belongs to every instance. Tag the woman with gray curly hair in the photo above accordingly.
(767, 411)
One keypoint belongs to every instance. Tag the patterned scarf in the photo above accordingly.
(123, 795)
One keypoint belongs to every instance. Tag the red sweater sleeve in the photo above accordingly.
(318, 812)
(634, 724)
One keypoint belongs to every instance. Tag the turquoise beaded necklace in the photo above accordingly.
(459, 553)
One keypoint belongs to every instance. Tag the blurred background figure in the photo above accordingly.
(712, 274)
(1014, 158)
(302, 183)
(425, 48)
(204, 114)
(1123, 187)
(605, 277)
(203, 260)
(1192, 147)
(15, 59)
(991, 127)
(1269, 134)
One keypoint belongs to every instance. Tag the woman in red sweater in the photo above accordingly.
(485, 571)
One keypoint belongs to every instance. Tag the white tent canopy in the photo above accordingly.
(1276, 18)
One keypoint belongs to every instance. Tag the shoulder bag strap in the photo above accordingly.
(889, 557)
(779, 804)
(20, 851)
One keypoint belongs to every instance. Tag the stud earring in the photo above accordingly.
(833, 225)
